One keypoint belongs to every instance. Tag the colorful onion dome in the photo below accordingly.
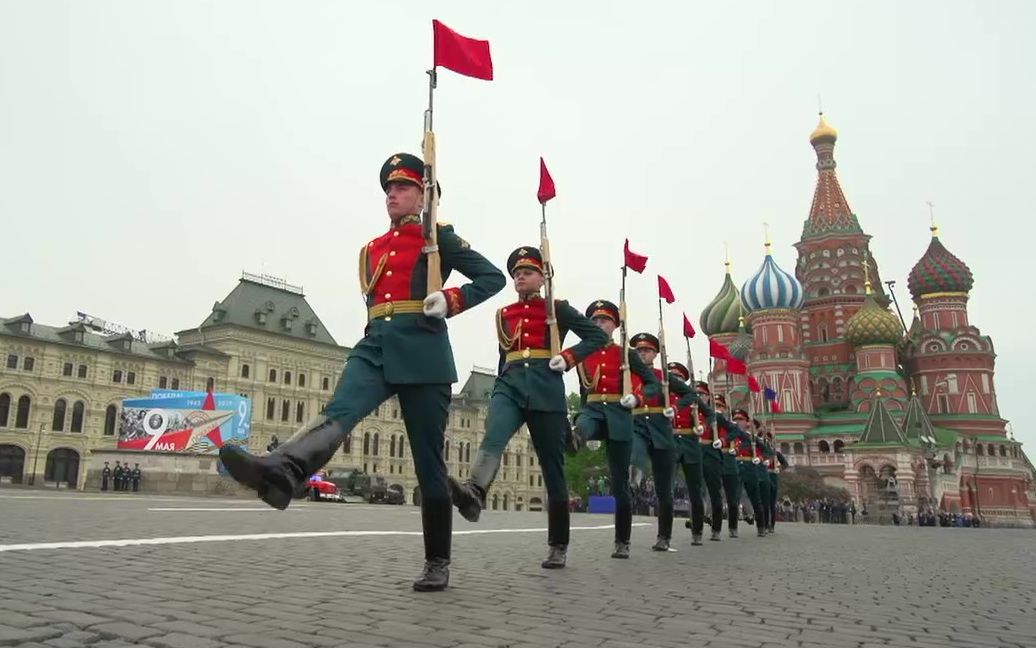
(939, 271)
(742, 344)
(873, 324)
(772, 287)
(720, 316)
(824, 132)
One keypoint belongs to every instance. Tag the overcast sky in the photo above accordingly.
(151, 151)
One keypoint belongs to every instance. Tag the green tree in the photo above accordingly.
(802, 483)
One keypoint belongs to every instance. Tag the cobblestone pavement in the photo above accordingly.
(347, 583)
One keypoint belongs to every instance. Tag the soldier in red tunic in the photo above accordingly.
(405, 351)
(606, 413)
(530, 389)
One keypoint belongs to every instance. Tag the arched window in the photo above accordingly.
(5, 408)
(402, 447)
(507, 458)
(58, 423)
(12, 462)
(991, 449)
(496, 502)
(839, 445)
(822, 332)
(271, 406)
(299, 411)
(1003, 451)
(21, 417)
(62, 466)
(325, 384)
(978, 449)
(287, 377)
(824, 447)
(347, 447)
(366, 443)
(78, 411)
(507, 501)
(109, 420)
(785, 449)
(392, 446)
(245, 371)
(176, 383)
(302, 380)
(446, 450)
(273, 375)
(467, 453)
(824, 390)
(285, 410)
(376, 444)
(797, 448)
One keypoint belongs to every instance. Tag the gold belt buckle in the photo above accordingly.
(526, 353)
(389, 308)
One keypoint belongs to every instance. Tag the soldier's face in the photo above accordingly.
(527, 280)
(647, 355)
(606, 324)
(741, 423)
(403, 199)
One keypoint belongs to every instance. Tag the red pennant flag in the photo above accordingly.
(736, 366)
(633, 261)
(753, 384)
(546, 190)
(463, 55)
(717, 350)
(664, 291)
(688, 329)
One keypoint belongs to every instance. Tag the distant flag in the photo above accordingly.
(718, 350)
(771, 396)
(664, 291)
(688, 328)
(753, 384)
(546, 190)
(736, 366)
(463, 55)
(635, 262)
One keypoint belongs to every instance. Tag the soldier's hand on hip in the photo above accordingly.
(435, 305)
(669, 413)
(717, 444)
(558, 364)
(629, 401)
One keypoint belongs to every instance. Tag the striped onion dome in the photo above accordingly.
(720, 316)
(772, 287)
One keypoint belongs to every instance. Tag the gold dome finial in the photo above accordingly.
(766, 236)
(866, 273)
(932, 227)
(823, 131)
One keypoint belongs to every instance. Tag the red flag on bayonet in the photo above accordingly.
(688, 329)
(214, 434)
(463, 55)
(633, 261)
(736, 366)
(546, 190)
(717, 350)
(753, 384)
(664, 291)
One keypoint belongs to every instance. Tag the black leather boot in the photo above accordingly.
(665, 521)
(469, 496)
(437, 523)
(715, 536)
(282, 474)
(661, 544)
(622, 550)
(558, 532)
(556, 558)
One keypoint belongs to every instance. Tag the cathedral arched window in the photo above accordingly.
(839, 446)
(824, 447)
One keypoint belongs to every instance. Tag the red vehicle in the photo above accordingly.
(319, 489)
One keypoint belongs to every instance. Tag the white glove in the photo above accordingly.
(435, 305)
(733, 451)
(717, 444)
(558, 364)
(669, 413)
(629, 401)
(699, 430)
(756, 460)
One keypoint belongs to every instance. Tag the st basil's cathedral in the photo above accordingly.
(905, 418)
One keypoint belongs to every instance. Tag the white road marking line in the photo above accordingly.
(135, 542)
(235, 509)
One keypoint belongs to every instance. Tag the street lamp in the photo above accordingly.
(36, 456)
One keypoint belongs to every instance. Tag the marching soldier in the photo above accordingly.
(718, 436)
(763, 453)
(688, 455)
(106, 475)
(606, 413)
(653, 439)
(405, 351)
(118, 475)
(135, 477)
(749, 472)
(774, 465)
(729, 471)
(529, 389)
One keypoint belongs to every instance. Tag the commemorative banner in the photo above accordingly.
(181, 421)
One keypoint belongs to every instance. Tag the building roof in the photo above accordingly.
(275, 309)
(939, 271)
(78, 334)
(916, 424)
(881, 428)
(478, 386)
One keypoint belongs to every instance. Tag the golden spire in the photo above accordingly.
(932, 227)
(866, 273)
(766, 235)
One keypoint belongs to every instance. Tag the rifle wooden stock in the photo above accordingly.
(429, 218)
(548, 288)
(665, 360)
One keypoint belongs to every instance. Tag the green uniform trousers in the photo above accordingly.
(712, 468)
(750, 482)
(764, 494)
(425, 409)
(774, 483)
(613, 424)
(547, 430)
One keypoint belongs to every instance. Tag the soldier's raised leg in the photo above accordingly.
(504, 419)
